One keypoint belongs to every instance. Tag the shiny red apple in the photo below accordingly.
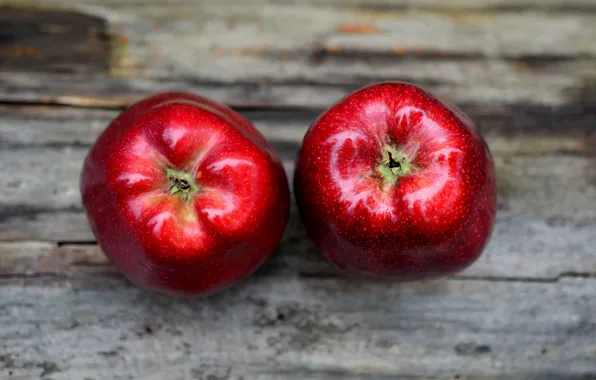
(392, 182)
(184, 195)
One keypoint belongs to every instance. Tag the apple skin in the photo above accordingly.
(184, 195)
(425, 212)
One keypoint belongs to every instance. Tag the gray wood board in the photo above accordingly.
(278, 326)
(52, 41)
(308, 55)
(371, 5)
(524, 70)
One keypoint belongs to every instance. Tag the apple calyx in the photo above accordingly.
(393, 165)
(182, 184)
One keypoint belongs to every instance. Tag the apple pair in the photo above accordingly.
(186, 197)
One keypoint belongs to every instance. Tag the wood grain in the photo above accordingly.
(524, 70)
(101, 327)
(455, 5)
(52, 41)
(372, 5)
(307, 55)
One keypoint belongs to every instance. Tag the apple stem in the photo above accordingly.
(181, 183)
(393, 165)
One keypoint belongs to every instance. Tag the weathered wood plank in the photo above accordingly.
(283, 25)
(371, 5)
(318, 87)
(523, 311)
(307, 55)
(517, 129)
(21, 259)
(103, 91)
(456, 5)
(57, 41)
(101, 327)
(287, 27)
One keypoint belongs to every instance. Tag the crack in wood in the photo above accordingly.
(319, 55)
(273, 269)
(27, 212)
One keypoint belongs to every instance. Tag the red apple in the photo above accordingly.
(392, 182)
(184, 195)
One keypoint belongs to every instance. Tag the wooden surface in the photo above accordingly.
(524, 70)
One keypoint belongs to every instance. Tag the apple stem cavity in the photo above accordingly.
(182, 184)
(393, 165)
